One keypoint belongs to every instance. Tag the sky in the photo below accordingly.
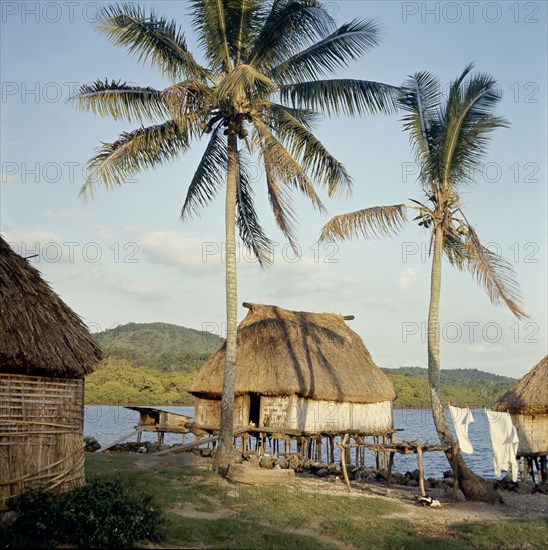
(125, 256)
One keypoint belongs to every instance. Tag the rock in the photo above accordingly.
(266, 462)
(448, 473)
(282, 462)
(91, 444)
(433, 482)
(525, 488)
(254, 461)
(398, 479)
(412, 483)
(142, 450)
(248, 454)
(9, 518)
(295, 463)
(205, 452)
(414, 475)
(322, 472)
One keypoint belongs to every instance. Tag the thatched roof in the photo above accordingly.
(530, 394)
(39, 333)
(314, 355)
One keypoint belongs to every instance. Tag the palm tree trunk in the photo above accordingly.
(224, 455)
(473, 487)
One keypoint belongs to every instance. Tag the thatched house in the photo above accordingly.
(45, 351)
(527, 403)
(306, 373)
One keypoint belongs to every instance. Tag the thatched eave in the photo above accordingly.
(529, 396)
(39, 333)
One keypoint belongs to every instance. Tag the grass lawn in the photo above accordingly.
(208, 512)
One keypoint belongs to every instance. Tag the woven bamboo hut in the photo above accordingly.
(527, 403)
(45, 351)
(299, 373)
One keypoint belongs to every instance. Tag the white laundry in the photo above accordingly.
(462, 418)
(504, 438)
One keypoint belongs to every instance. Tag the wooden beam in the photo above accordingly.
(118, 441)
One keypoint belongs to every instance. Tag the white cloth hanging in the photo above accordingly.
(505, 440)
(462, 418)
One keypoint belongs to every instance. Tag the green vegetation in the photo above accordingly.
(205, 511)
(153, 339)
(154, 364)
(461, 387)
(100, 514)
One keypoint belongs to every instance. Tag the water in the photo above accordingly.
(108, 422)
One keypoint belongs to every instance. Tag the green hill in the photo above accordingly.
(153, 339)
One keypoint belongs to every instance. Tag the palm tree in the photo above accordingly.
(449, 139)
(262, 87)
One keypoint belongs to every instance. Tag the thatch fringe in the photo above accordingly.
(529, 396)
(312, 355)
(39, 333)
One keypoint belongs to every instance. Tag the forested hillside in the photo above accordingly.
(155, 363)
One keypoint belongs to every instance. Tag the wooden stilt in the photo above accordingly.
(543, 469)
(343, 449)
(389, 477)
(331, 449)
(421, 470)
(319, 447)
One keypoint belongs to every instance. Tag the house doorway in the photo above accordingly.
(255, 408)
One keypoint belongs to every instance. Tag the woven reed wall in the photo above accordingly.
(41, 424)
(532, 432)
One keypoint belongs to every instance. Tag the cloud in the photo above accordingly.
(478, 348)
(407, 277)
(171, 249)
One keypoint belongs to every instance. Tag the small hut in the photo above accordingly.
(45, 351)
(527, 403)
(299, 373)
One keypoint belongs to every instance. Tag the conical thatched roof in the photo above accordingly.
(314, 355)
(39, 333)
(530, 394)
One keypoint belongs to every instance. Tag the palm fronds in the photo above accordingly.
(251, 233)
(210, 21)
(494, 273)
(134, 151)
(375, 222)
(150, 37)
(420, 98)
(283, 166)
(288, 27)
(313, 156)
(342, 96)
(118, 100)
(467, 119)
(348, 42)
(208, 177)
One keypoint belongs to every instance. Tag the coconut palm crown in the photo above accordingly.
(263, 81)
(449, 140)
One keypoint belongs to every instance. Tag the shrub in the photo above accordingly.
(39, 521)
(98, 514)
(103, 514)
